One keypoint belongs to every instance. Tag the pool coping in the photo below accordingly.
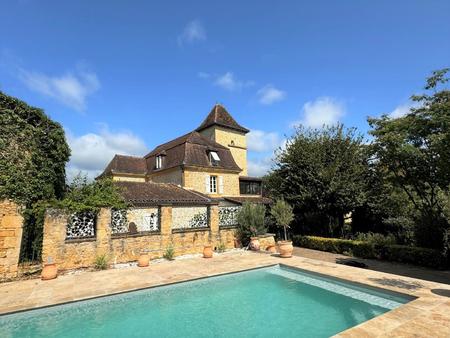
(427, 315)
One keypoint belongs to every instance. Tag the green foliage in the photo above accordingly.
(221, 247)
(169, 253)
(321, 174)
(376, 239)
(101, 262)
(83, 196)
(33, 153)
(250, 221)
(391, 252)
(283, 214)
(414, 149)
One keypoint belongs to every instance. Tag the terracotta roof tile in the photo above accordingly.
(243, 199)
(220, 116)
(126, 164)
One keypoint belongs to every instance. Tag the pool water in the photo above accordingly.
(268, 302)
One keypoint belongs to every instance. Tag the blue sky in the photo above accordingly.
(124, 76)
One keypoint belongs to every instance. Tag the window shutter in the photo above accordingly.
(207, 184)
(220, 184)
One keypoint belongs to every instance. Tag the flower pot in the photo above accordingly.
(254, 244)
(207, 251)
(49, 271)
(285, 248)
(271, 248)
(144, 260)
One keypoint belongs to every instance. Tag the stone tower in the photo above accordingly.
(220, 127)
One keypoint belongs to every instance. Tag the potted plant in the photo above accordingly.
(50, 270)
(144, 259)
(251, 224)
(207, 251)
(281, 211)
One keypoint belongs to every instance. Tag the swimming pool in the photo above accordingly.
(268, 302)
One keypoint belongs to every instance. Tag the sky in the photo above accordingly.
(125, 76)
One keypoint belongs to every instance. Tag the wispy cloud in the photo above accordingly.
(269, 94)
(192, 32)
(229, 82)
(401, 110)
(263, 141)
(71, 88)
(322, 111)
(91, 152)
(260, 166)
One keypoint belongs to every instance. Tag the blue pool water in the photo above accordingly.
(268, 302)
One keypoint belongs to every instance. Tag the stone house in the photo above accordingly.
(208, 162)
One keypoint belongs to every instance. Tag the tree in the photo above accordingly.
(414, 149)
(283, 214)
(250, 220)
(321, 174)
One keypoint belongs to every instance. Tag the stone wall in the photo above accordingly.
(173, 175)
(194, 178)
(11, 223)
(121, 248)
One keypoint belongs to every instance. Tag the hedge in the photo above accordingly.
(393, 252)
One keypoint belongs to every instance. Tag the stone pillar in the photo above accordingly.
(11, 224)
(214, 224)
(103, 231)
(54, 235)
(166, 226)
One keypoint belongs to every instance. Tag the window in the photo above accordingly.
(250, 187)
(213, 184)
(214, 158)
(159, 162)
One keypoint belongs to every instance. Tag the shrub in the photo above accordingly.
(391, 252)
(250, 221)
(376, 239)
(101, 262)
(170, 252)
(221, 247)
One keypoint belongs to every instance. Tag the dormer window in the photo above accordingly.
(214, 158)
(159, 161)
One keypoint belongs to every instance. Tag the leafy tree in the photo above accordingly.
(33, 155)
(250, 221)
(283, 214)
(321, 174)
(414, 149)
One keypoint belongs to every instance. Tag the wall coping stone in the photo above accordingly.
(138, 234)
(174, 231)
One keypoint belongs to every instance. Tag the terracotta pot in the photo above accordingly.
(285, 248)
(254, 244)
(271, 248)
(49, 271)
(144, 260)
(237, 243)
(207, 251)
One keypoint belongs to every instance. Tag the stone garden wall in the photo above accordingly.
(11, 222)
(123, 243)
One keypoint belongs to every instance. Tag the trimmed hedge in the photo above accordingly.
(393, 252)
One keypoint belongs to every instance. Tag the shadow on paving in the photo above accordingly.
(381, 266)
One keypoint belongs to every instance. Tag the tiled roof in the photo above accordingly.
(220, 116)
(126, 164)
(243, 199)
(149, 193)
(191, 150)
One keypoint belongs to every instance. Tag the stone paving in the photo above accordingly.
(426, 316)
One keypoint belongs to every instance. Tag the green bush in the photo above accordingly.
(378, 240)
(390, 252)
(221, 247)
(101, 262)
(170, 253)
(251, 218)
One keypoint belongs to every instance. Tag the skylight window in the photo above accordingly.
(214, 158)
(158, 162)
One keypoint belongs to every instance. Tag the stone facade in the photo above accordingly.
(173, 175)
(146, 219)
(195, 179)
(233, 140)
(11, 224)
(120, 248)
(189, 217)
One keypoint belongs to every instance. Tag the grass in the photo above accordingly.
(170, 253)
(101, 262)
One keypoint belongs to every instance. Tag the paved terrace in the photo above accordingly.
(426, 316)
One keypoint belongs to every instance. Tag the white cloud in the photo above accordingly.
(401, 110)
(92, 152)
(259, 167)
(262, 141)
(193, 32)
(322, 111)
(269, 94)
(71, 89)
(229, 82)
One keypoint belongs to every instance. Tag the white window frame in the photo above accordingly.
(158, 162)
(213, 184)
